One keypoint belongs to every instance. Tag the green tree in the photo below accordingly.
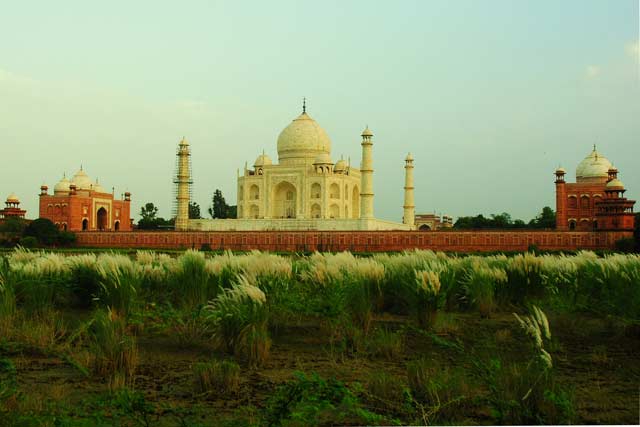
(148, 212)
(545, 219)
(232, 212)
(43, 230)
(13, 225)
(194, 210)
(219, 207)
(149, 217)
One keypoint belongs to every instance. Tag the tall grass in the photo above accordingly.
(239, 318)
(115, 353)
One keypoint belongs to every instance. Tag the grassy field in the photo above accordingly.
(190, 339)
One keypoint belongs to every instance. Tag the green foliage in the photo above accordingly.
(479, 287)
(385, 344)
(219, 207)
(115, 353)
(119, 283)
(194, 210)
(239, 318)
(544, 220)
(13, 225)
(314, 401)
(191, 280)
(441, 392)
(43, 230)
(220, 377)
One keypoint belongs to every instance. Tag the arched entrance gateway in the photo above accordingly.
(284, 200)
(101, 217)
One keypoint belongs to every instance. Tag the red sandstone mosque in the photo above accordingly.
(595, 201)
(80, 204)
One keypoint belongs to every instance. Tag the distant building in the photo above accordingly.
(304, 190)
(432, 222)
(596, 200)
(80, 204)
(12, 208)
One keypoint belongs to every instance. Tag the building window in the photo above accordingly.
(584, 202)
(572, 225)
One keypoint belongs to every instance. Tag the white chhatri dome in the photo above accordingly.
(263, 160)
(62, 185)
(341, 165)
(595, 165)
(615, 183)
(12, 198)
(98, 188)
(303, 139)
(82, 180)
(323, 159)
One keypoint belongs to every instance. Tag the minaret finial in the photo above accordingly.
(304, 105)
(594, 147)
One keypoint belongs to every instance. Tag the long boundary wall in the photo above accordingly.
(356, 241)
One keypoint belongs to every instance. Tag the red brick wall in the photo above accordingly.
(357, 241)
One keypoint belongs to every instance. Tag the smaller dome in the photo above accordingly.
(12, 198)
(615, 183)
(341, 166)
(409, 158)
(561, 170)
(367, 132)
(82, 180)
(62, 185)
(98, 188)
(323, 159)
(263, 160)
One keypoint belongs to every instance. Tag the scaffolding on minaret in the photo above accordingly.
(182, 190)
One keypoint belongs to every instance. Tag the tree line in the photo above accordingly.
(544, 220)
(149, 219)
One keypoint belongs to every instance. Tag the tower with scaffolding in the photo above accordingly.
(183, 184)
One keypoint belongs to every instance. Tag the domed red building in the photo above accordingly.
(596, 200)
(81, 204)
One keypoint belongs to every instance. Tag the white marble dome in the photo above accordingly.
(263, 160)
(595, 165)
(341, 166)
(303, 139)
(62, 185)
(82, 180)
(322, 159)
(615, 183)
(12, 198)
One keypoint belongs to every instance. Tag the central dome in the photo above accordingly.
(302, 141)
(594, 167)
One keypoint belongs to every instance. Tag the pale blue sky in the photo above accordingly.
(490, 96)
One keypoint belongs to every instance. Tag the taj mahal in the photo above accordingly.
(304, 190)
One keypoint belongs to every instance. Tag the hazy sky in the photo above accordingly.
(490, 96)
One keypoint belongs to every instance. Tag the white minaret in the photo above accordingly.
(409, 202)
(183, 181)
(366, 176)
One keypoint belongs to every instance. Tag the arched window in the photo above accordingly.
(116, 226)
(85, 224)
(572, 225)
(316, 191)
(254, 192)
(584, 202)
(573, 202)
(334, 191)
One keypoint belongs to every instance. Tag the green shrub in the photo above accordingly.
(385, 344)
(479, 287)
(28, 242)
(217, 376)
(441, 391)
(115, 353)
(119, 283)
(239, 318)
(314, 401)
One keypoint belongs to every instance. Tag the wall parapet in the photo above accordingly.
(356, 241)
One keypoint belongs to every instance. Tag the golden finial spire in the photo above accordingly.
(304, 105)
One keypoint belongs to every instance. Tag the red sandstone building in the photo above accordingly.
(12, 209)
(431, 221)
(595, 201)
(80, 204)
